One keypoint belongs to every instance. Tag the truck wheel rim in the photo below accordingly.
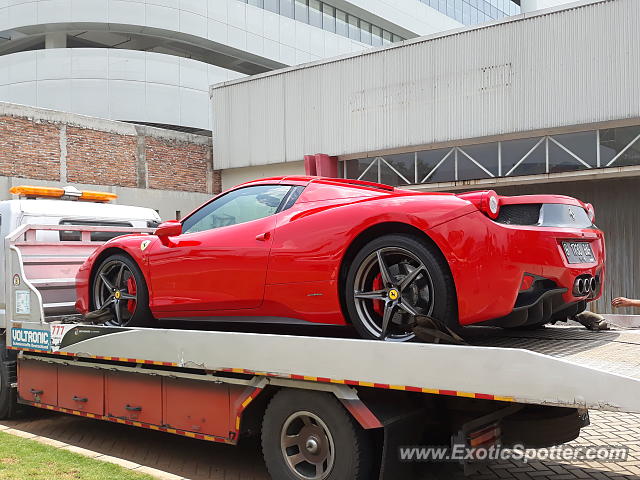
(307, 446)
(406, 291)
(114, 286)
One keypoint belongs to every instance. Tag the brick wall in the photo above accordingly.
(29, 148)
(165, 169)
(46, 145)
(101, 157)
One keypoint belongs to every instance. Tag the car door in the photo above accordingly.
(219, 262)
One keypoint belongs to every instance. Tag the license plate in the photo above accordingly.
(578, 252)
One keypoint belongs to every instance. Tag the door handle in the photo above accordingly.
(263, 237)
(133, 409)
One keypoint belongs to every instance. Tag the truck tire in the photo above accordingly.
(310, 436)
(8, 396)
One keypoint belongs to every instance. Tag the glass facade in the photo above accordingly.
(325, 16)
(472, 12)
(564, 152)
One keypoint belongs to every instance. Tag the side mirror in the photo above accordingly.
(170, 228)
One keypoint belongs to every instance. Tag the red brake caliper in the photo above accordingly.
(131, 288)
(378, 305)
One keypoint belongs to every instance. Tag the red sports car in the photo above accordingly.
(334, 251)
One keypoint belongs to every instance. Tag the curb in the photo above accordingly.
(126, 464)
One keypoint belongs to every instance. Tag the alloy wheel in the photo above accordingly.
(392, 286)
(115, 287)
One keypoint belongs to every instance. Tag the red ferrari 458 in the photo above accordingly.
(338, 252)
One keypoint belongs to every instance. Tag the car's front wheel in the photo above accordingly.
(119, 287)
(393, 279)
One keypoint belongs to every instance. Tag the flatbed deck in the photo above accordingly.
(615, 351)
(560, 366)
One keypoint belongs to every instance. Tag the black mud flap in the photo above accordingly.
(400, 430)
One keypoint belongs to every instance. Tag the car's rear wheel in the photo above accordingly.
(393, 279)
(119, 287)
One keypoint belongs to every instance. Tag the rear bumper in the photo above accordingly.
(489, 260)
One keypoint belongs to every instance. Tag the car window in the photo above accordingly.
(239, 206)
(76, 236)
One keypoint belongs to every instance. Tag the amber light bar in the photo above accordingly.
(97, 196)
(31, 191)
(55, 192)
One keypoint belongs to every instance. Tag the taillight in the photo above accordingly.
(487, 202)
(591, 212)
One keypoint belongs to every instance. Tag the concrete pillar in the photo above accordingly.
(55, 40)
(533, 5)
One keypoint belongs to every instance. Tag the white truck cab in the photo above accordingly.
(66, 206)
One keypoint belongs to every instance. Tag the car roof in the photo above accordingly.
(306, 179)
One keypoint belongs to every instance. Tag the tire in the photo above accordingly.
(8, 396)
(352, 448)
(432, 293)
(137, 316)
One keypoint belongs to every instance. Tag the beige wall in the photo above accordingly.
(234, 176)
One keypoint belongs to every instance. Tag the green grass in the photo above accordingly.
(22, 459)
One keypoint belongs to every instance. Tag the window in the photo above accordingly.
(302, 11)
(75, 236)
(315, 14)
(286, 8)
(341, 23)
(272, 5)
(365, 32)
(376, 36)
(354, 28)
(386, 37)
(238, 206)
(322, 15)
(328, 18)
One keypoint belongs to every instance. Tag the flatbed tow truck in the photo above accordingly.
(335, 408)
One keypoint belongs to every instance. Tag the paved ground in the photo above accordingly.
(198, 460)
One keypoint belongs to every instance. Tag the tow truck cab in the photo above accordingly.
(66, 206)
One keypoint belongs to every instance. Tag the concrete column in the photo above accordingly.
(533, 5)
(63, 153)
(55, 40)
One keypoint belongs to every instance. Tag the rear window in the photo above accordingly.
(73, 236)
(544, 215)
(562, 215)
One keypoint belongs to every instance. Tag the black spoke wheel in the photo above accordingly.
(308, 435)
(119, 286)
(391, 281)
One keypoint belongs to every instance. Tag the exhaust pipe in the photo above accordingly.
(581, 289)
(584, 286)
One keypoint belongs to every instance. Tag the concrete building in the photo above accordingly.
(152, 61)
(541, 102)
